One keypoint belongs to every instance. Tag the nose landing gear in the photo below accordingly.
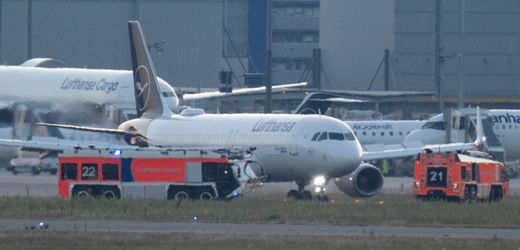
(302, 194)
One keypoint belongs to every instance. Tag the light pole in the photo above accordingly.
(460, 99)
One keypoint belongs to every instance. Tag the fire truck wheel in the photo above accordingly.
(495, 194)
(206, 195)
(109, 194)
(83, 194)
(36, 171)
(181, 195)
(473, 194)
(470, 194)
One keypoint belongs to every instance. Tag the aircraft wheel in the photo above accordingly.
(293, 194)
(12, 169)
(323, 198)
(306, 195)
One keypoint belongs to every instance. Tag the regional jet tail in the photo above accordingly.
(289, 147)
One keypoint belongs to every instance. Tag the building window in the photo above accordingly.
(291, 64)
(296, 9)
(295, 36)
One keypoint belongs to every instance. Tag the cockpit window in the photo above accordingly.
(434, 125)
(323, 136)
(336, 136)
(315, 136)
(349, 137)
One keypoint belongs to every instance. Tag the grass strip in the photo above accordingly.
(395, 210)
(82, 240)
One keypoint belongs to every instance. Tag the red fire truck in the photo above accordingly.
(465, 176)
(144, 173)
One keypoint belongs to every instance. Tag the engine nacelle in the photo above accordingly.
(365, 181)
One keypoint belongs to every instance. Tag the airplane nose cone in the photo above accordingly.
(346, 159)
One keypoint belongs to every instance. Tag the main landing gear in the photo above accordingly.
(302, 194)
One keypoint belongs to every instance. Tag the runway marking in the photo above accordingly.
(263, 229)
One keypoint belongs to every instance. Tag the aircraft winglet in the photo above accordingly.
(480, 131)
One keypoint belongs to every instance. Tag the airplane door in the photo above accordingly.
(457, 126)
(297, 134)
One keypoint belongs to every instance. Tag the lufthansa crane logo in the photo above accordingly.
(143, 87)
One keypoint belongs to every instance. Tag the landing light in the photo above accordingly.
(319, 189)
(118, 152)
(319, 180)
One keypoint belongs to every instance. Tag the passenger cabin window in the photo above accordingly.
(89, 171)
(336, 136)
(315, 136)
(69, 171)
(110, 171)
(323, 136)
(349, 137)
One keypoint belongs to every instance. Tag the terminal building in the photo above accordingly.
(333, 44)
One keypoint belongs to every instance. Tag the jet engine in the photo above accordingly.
(365, 181)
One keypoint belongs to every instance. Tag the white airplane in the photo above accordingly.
(71, 86)
(383, 131)
(33, 94)
(289, 147)
(504, 123)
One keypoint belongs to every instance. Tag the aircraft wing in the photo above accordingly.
(50, 144)
(54, 144)
(414, 150)
(244, 91)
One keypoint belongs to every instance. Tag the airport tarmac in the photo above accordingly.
(45, 185)
(262, 229)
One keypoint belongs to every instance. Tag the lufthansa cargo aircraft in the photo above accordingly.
(288, 147)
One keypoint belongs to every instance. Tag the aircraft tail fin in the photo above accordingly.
(148, 99)
(315, 103)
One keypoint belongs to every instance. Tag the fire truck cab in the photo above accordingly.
(459, 176)
(168, 173)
